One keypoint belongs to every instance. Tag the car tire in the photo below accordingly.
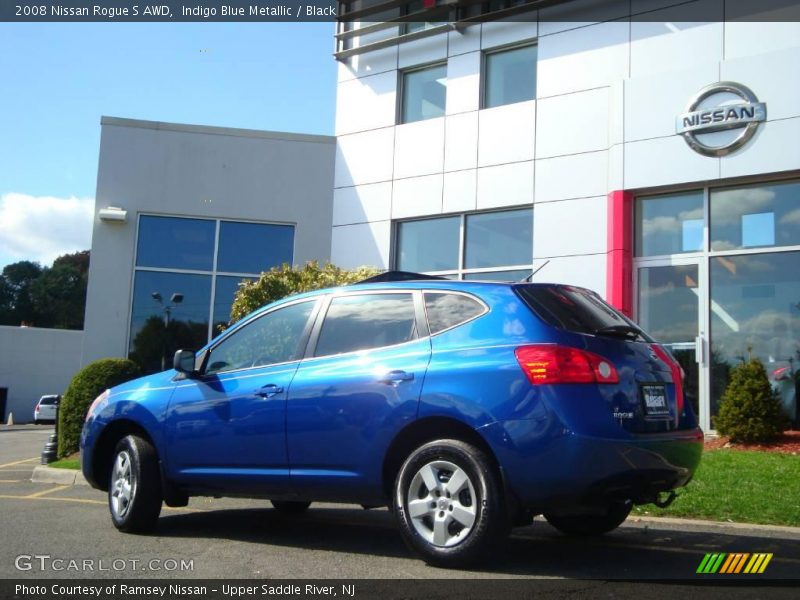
(448, 503)
(591, 524)
(134, 488)
(290, 507)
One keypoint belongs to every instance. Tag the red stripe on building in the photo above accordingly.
(619, 257)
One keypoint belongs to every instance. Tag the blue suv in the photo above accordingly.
(466, 407)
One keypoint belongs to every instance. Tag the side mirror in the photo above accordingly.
(184, 362)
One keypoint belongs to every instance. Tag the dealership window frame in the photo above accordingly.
(461, 271)
(702, 258)
(213, 273)
(484, 71)
(402, 85)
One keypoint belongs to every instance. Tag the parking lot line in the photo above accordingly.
(10, 480)
(19, 462)
(58, 488)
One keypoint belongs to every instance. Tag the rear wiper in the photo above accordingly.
(625, 331)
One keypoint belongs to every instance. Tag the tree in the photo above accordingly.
(17, 304)
(750, 410)
(59, 294)
(155, 343)
(285, 280)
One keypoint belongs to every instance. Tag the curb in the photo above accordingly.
(45, 474)
(705, 524)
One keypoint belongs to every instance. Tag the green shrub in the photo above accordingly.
(750, 410)
(88, 383)
(283, 281)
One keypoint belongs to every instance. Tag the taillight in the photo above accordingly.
(677, 373)
(37, 408)
(550, 363)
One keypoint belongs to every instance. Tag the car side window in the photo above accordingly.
(447, 310)
(364, 321)
(270, 339)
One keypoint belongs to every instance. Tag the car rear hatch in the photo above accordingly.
(646, 392)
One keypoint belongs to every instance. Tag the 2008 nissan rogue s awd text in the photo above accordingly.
(466, 407)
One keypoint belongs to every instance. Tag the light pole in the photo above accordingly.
(174, 300)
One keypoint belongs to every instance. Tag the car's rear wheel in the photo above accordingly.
(134, 490)
(290, 507)
(591, 524)
(448, 503)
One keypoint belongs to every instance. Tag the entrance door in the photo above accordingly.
(671, 297)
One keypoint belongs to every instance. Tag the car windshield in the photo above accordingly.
(579, 310)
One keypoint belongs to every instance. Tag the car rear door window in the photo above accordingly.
(446, 310)
(364, 321)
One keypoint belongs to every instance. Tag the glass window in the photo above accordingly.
(176, 243)
(254, 247)
(668, 302)
(516, 275)
(428, 245)
(498, 239)
(424, 94)
(271, 339)
(367, 321)
(669, 224)
(510, 76)
(755, 312)
(448, 310)
(223, 299)
(756, 215)
(159, 325)
(573, 309)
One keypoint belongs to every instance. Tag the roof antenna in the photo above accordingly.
(534, 272)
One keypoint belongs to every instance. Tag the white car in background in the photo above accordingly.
(45, 411)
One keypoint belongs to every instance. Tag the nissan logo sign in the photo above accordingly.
(738, 108)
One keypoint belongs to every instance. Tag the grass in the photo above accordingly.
(741, 486)
(71, 462)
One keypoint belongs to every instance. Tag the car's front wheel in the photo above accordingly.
(134, 490)
(591, 524)
(448, 503)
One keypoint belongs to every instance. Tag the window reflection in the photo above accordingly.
(159, 329)
(253, 247)
(499, 238)
(428, 245)
(510, 76)
(670, 224)
(668, 302)
(758, 215)
(226, 288)
(756, 312)
(424, 94)
(175, 243)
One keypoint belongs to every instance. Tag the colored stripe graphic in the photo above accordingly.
(734, 563)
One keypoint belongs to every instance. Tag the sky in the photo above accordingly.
(58, 79)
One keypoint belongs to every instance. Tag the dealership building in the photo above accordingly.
(648, 151)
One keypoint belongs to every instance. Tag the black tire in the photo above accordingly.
(138, 512)
(290, 507)
(442, 535)
(591, 524)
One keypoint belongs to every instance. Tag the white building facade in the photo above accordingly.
(485, 150)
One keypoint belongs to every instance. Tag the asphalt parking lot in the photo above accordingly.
(231, 538)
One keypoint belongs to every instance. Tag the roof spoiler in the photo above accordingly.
(398, 276)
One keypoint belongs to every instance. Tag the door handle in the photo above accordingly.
(270, 390)
(397, 377)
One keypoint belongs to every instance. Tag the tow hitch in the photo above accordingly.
(666, 501)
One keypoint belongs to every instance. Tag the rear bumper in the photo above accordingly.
(565, 469)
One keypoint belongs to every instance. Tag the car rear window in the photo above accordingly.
(446, 310)
(574, 309)
(47, 400)
(364, 321)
